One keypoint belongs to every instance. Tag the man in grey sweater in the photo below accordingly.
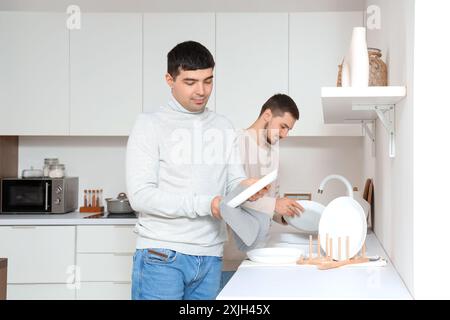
(180, 161)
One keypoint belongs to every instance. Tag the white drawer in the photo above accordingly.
(101, 239)
(40, 292)
(104, 291)
(38, 254)
(105, 267)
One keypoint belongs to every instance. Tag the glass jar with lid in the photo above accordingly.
(47, 163)
(57, 171)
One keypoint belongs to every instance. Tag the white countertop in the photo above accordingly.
(307, 282)
(72, 218)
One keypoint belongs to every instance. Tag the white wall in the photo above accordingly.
(99, 162)
(431, 155)
(393, 180)
(305, 161)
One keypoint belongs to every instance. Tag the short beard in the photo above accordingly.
(266, 132)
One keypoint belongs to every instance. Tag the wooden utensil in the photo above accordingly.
(366, 189)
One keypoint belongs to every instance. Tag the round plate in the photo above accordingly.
(343, 217)
(309, 219)
(275, 255)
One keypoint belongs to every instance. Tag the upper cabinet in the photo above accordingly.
(95, 80)
(162, 31)
(34, 74)
(317, 43)
(252, 63)
(105, 74)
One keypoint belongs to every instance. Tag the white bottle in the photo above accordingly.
(358, 58)
(345, 74)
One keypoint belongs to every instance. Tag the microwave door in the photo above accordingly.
(30, 196)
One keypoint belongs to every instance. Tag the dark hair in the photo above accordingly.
(279, 104)
(188, 55)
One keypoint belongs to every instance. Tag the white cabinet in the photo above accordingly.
(105, 267)
(105, 74)
(105, 261)
(106, 239)
(162, 31)
(317, 43)
(34, 76)
(104, 291)
(38, 254)
(68, 262)
(40, 292)
(252, 63)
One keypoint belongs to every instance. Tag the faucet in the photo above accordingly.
(336, 176)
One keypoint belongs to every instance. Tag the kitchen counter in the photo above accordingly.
(72, 218)
(307, 282)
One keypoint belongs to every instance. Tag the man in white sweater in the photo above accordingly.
(180, 161)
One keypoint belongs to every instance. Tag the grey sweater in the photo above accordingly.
(177, 161)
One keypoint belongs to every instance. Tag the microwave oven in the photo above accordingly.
(39, 195)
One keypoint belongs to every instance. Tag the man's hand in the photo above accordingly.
(288, 207)
(248, 182)
(215, 207)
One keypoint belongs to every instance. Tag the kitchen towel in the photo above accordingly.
(250, 228)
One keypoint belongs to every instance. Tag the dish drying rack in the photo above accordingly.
(326, 262)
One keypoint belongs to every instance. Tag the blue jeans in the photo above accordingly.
(163, 274)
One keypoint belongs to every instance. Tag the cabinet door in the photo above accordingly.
(105, 74)
(106, 239)
(41, 254)
(105, 267)
(104, 291)
(34, 76)
(317, 43)
(40, 292)
(252, 63)
(162, 32)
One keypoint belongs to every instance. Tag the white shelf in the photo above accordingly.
(340, 103)
(362, 105)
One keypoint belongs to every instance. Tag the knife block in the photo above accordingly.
(92, 209)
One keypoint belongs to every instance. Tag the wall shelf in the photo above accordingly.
(346, 105)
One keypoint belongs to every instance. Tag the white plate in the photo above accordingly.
(275, 255)
(343, 217)
(309, 219)
(254, 188)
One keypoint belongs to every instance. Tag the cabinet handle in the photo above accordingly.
(121, 282)
(23, 227)
(123, 254)
(46, 197)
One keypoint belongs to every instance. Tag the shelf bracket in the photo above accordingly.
(386, 114)
(369, 132)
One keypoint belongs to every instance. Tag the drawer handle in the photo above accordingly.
(23, 227)
(121, 282)
(123, 254)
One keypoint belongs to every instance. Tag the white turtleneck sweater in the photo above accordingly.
(177, 162)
